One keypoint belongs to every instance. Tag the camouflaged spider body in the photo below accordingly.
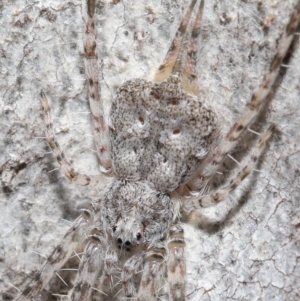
(159, 151)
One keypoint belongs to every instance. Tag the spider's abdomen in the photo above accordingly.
(159, 132)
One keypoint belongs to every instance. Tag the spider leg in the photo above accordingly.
(210, 165)
(100, 180)
(58, 257)
(222, 193)
(175, 50)
(130, 268)
(90, 266)
(111, 259)
(153, 274)
(101, 129)
(190, 78)
(176, 264)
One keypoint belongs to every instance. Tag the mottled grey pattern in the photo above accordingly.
(130, 243)
(135, 213)
(159, 132)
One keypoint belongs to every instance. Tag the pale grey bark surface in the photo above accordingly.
(248, 247)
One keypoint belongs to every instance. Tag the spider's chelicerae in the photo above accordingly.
(159, 150)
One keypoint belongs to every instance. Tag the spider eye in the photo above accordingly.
(138, 236)
(114, 228)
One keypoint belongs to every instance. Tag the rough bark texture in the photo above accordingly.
(248, 247)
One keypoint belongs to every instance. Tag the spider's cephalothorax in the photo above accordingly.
(159, 151)
(136, 214)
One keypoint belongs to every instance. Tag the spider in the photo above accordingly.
(159, 152)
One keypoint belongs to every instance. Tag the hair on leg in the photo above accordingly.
(213, 161)
(176, 264)
(189, 74)
(153, 275)
(89, 268)
(129, 270)
(167, 68)
(221, 194)
(101, 129)
(59, 256)
(100, 181)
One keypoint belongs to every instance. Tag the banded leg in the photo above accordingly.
(98, 180)
(59, 256)
(167, 68)
(153, 275)
(221, 194)
(176, 264)
(101, 129)
(129, 270)
(190, 78)
(211, 164)
(105, 284)
(96, 271)
(89, 269)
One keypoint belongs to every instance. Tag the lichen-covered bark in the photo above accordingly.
(246, 248)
